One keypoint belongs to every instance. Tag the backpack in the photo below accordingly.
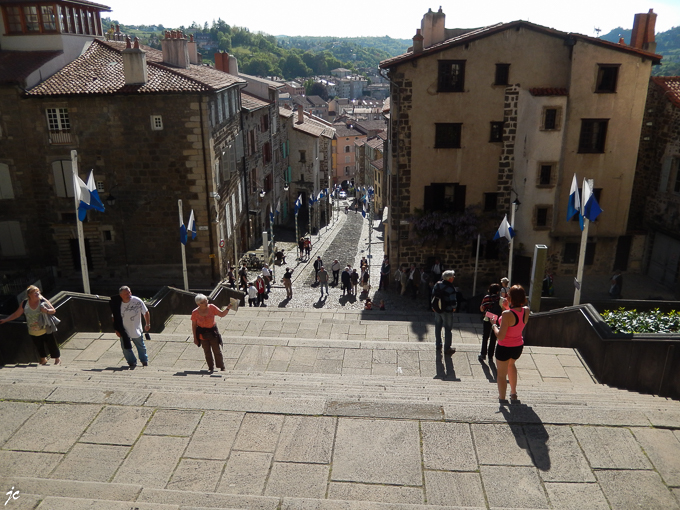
(436, 301)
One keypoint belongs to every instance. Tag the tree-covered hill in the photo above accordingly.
(261, 54)
(667, 44)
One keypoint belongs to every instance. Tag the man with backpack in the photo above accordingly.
(443, 305)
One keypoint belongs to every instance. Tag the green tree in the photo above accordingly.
(293, 66)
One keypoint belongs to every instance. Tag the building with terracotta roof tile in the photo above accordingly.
(508, 113)
(654, 219)
(154, 126)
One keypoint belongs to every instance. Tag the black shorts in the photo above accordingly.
(505, 353)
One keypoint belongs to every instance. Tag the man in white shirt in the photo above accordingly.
(131, 310)
(267, 275)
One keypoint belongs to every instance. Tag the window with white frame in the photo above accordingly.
(156, 123)
(11, 239)
(227, 218)
(6, 189)
(227, 110)
(59, 125)
(100, 186)
(63, 178)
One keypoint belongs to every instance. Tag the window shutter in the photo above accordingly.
(459, 198)
(11, 240)
(6, 191)
(239, 145)
(63, 178)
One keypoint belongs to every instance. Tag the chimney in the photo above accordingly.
(233, 65)
(222, 62)
(418, 41)
(643, 31)
(301, 115)
(193, 51)
(134, 64)
(432, 27)
(175, 49)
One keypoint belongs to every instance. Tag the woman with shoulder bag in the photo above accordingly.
(510, 341)
(33, 307)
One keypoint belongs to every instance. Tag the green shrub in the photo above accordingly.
(632, 321)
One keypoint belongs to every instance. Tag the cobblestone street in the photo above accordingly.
(346, 239)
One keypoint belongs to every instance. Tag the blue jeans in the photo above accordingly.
(141, 350)
(322, 285)
(446, 320)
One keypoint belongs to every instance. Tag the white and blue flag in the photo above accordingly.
(88, 196)
(298, 204)
(278, 207)
(182, 232)
(505, 230)
(591, 209)
(192, 225)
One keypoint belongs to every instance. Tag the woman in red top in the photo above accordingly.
(205, 330)
(510, 341)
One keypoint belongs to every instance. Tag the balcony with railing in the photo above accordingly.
(61, 137)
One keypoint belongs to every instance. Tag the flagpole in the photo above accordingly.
(581, 261)
(297, 235)
(474, 281)
(184, 255)
(79, 224)
(512, 241)
(273, 249)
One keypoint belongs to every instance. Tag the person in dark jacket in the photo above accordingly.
(490, 303)
(443, 305)
(346, 280)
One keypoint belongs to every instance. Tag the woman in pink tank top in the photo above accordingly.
(510, 341)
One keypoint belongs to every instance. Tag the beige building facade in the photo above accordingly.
(507, 113)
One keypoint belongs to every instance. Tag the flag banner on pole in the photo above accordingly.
(298, 204)
(505, 230)
(591, 209)
(363, 209)
(182, 232)
(320, 196)
(278, 207)
(88, 196)
(192, 225)
(271, 218)
(574, 206)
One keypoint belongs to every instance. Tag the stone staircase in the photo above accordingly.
(327, 410)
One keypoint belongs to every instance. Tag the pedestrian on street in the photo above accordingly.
(354, 277)
(346, 280)
(491, 304)
(128, 311)
(243, 277)
(301, 247)
(252, 295)
(436, 270)
(365, 281)
(443, 305)
(335, 267)
(405, 273)
(322, 277)
(206, 333)
(413, 281)
(260, 286)
(385, 274)
(505, 286)
(318, 264)
(510, 341)
(308, 247)
(33, 306)
(231, 278)
(364, 263)
(287, 281)
(267, 276)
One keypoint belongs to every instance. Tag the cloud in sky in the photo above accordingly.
(397, 18)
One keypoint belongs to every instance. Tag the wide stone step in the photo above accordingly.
(57, 494)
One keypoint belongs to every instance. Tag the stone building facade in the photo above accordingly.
(485, 117)
(654, 221)
(151, 125)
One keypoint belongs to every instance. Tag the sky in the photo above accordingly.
(395, 18)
